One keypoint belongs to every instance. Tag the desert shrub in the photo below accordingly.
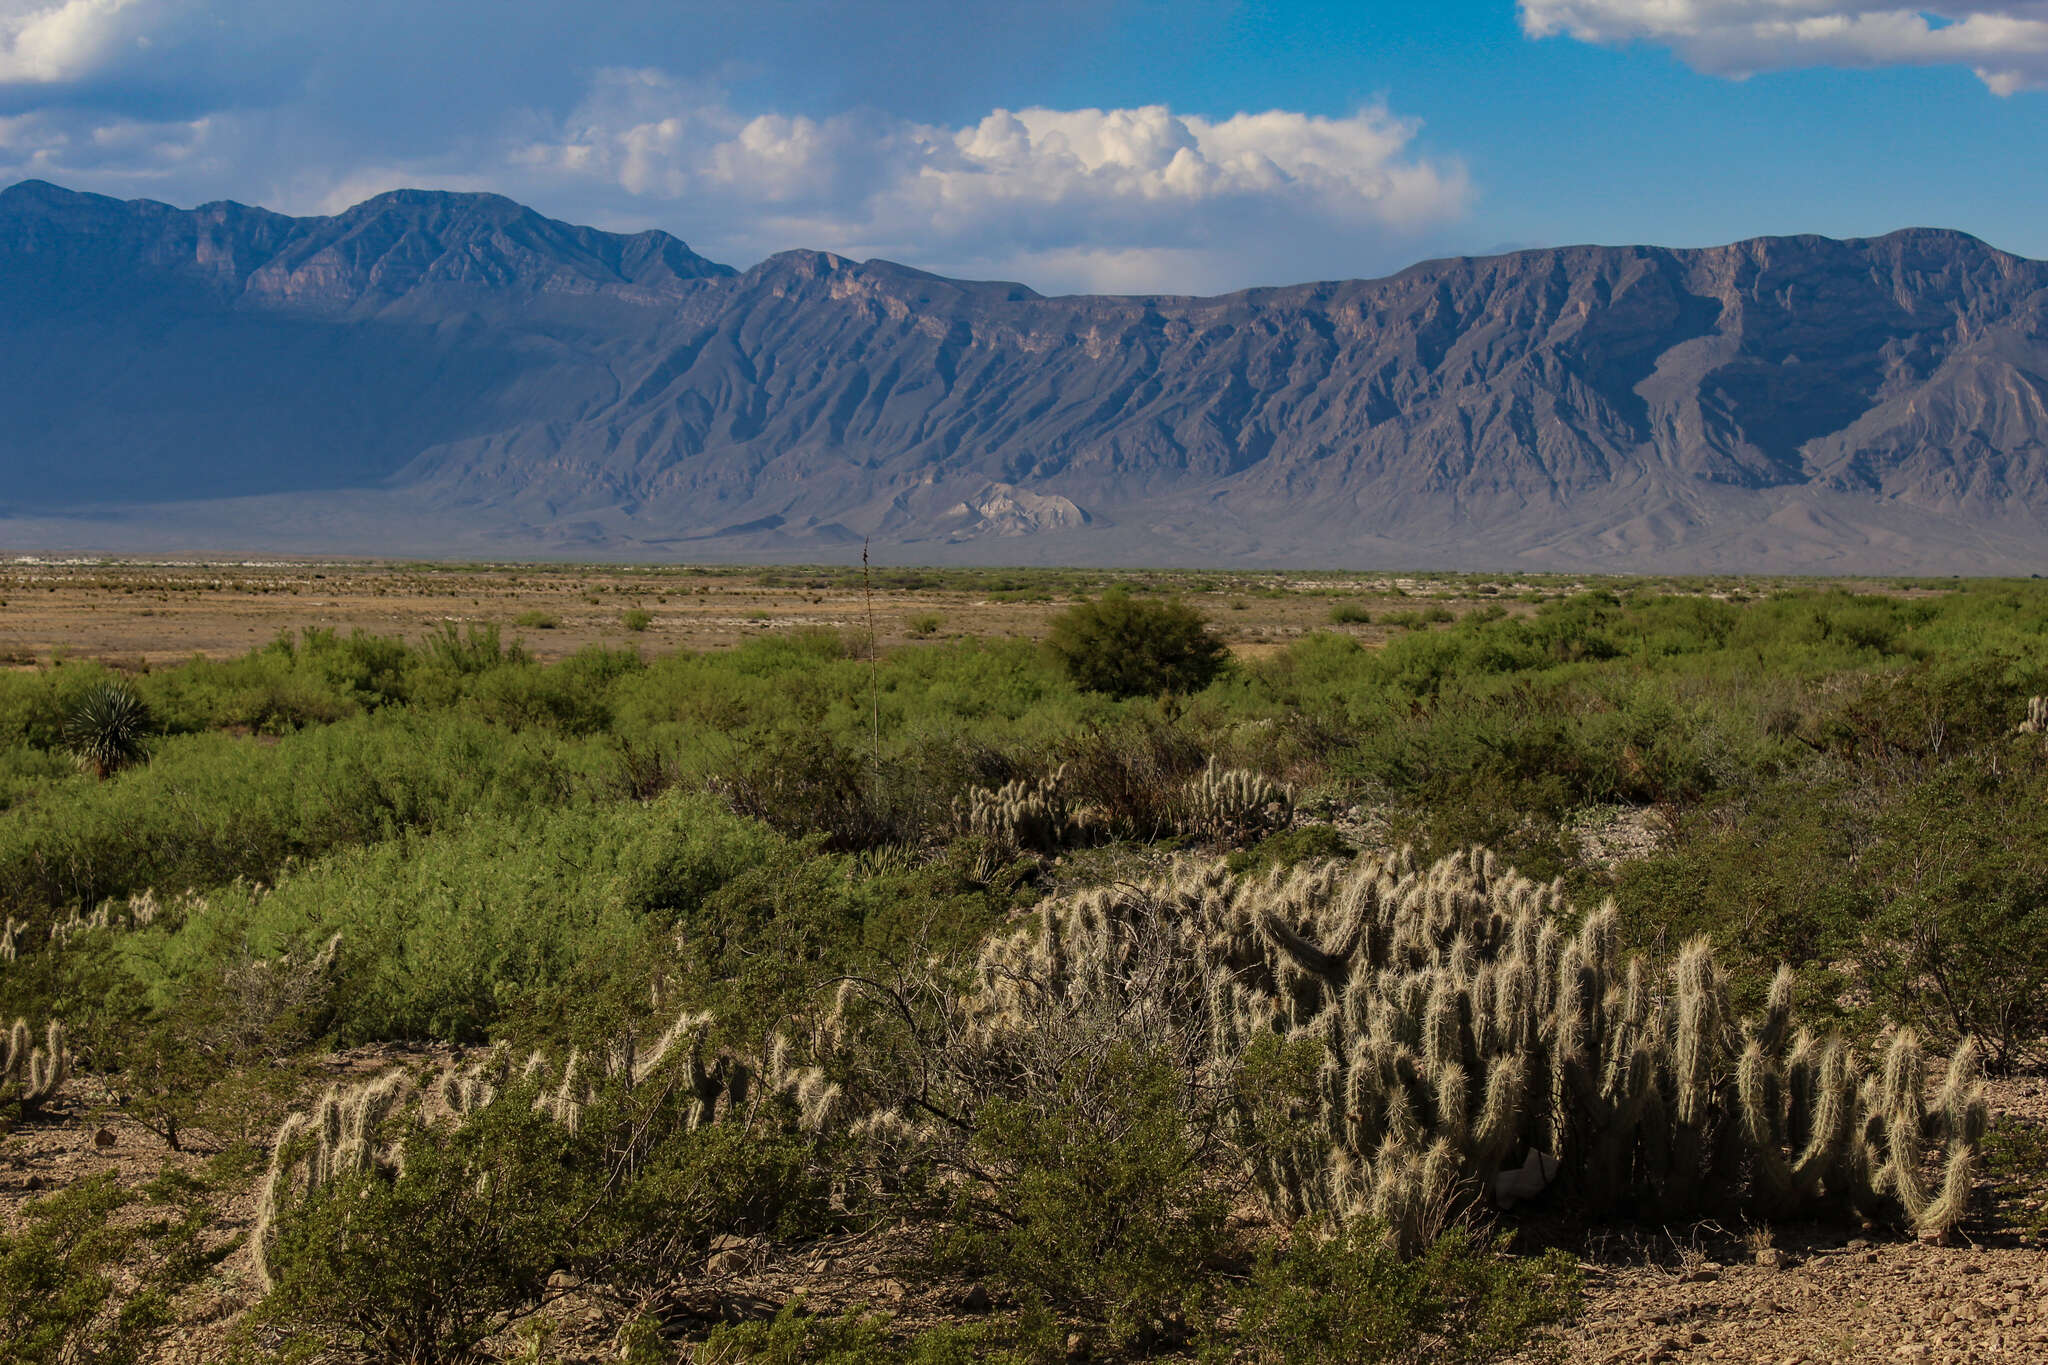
(1960, 872)
(469, 650)
(1132, 773)
(1095, 1198)
(1349, 614)
(210, 808)
(421, 1267)
(1128, 647)
(537, 620)
(1287, 847)
(445, 933)
(1332, 1299)
(450, 1227)
(25, 771)
(61, 1265)
(636, 619)
(795, 1336)
(804, 782)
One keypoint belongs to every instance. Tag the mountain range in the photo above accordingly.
(456, 375)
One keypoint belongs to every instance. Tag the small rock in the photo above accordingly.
(34, 1182)
(103, 1139)
(1077, 1346)
(976, 1300)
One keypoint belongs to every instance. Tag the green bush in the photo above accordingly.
(61, 1265)
(537, 620)
(1095, 1199)
(210, 808)
(424, 1267)
(423, 1263)
(1289, 847)
(1126, 647)
(636, 619)
(1960, 870)
(796, 1337)
(444, 934)
(1336, 1300)
(1348, 614)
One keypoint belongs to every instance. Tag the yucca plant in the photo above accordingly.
(108, 729)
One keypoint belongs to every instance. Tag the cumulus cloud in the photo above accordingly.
(1065, 198)
(48, 41)
(2006, 44)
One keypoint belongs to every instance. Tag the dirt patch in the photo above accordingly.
(135, 614)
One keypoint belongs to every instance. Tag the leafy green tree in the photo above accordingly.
(1130, 648)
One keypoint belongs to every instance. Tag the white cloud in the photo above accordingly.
(2006, 44)
(45, 42)
(1063, 198)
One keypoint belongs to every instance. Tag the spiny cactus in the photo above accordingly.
(30, 1076)
(347, 1131)
(2036, 722)
(1021, 816)
(1462, 1028)
(1233, 804)
(340, 1137)
(11, 931)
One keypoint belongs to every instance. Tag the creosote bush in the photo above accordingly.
(1334, 1298)
(1097, 1197)
(1129, 647)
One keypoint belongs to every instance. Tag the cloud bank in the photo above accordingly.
(1136, 199)
(2005, 44)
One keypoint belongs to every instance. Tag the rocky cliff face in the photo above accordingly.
(1782, 402)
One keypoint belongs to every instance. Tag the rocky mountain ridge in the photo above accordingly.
(445, 373)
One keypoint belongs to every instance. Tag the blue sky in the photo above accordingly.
(1116, 144)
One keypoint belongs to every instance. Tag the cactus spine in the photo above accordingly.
(1465, 1031)
(30, 1076)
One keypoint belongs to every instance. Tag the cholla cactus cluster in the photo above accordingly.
(135, 912)
(339, 1138)
(2036, 722)
(30, 1076)
(1462, 1029)
(1023, 816)
(350, 1132)
(1233, 804)
(1229, 805)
